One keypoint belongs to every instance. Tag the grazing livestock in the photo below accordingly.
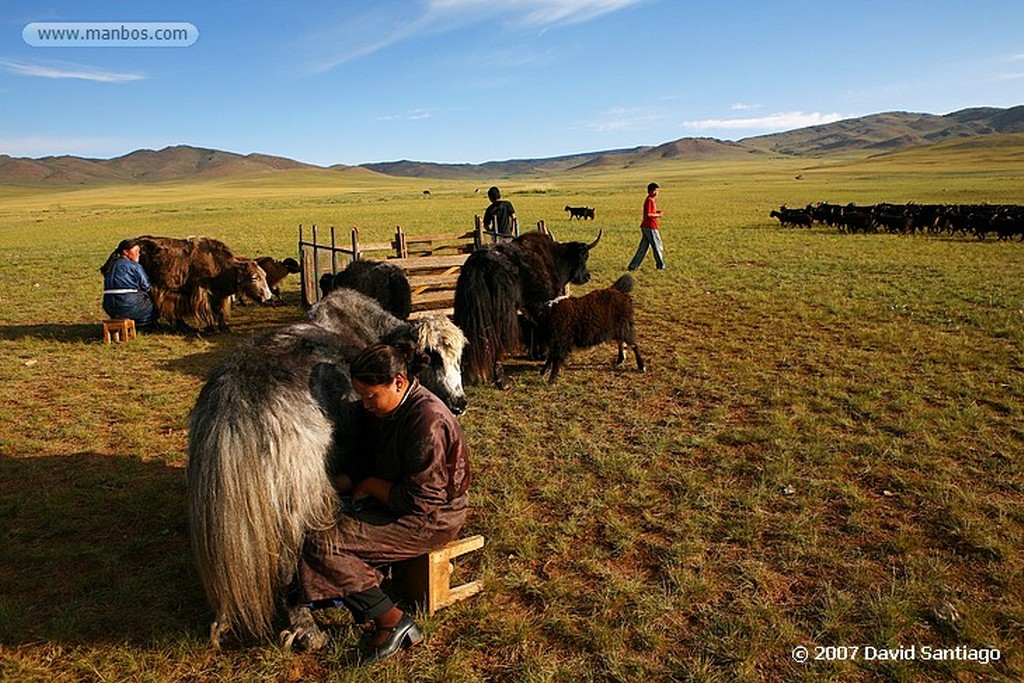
(195, 278)
(580, 212)
(855, 219)
(385, 282)
(794, 217)
(277, 271)
(265, 436)
(584, 321)
(1005, 221)
(498, 281)
(891, 219)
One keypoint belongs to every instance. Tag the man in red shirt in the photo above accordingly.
(650, 235)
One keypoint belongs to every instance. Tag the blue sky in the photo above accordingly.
(477, 80)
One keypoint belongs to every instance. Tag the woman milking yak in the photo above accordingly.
(406, 495)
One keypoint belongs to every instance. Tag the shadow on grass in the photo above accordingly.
(95, 550)
(73, 332)
(200, 363)
(77, 332)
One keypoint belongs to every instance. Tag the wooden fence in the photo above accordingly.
(432, 262)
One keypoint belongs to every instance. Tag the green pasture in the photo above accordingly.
(825, 450)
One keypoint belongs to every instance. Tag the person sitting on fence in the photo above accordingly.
(407, 485)
(500, 216)
(126, 286)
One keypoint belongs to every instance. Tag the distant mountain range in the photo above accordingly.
(866, 134)
(171, 163)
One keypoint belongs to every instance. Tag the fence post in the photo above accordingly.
(356, 256)
(334, 253)
(401, 248)
(478, 232)
(316, 254)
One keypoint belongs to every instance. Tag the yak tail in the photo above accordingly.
(624, 284)
(257, 481)
(487, 301)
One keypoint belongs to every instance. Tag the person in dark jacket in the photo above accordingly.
(126, 286)
(407, 486)
(500, 216)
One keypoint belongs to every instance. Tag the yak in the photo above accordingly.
(584, 321)
(385, 282)
(195, 278)
(277, 271)
(265, 434)
(500, 280)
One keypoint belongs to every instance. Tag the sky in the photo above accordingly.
(466, 81)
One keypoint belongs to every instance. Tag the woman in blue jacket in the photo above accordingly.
(126, 286)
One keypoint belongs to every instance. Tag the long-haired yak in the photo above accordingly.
(264, 435)
(500, 280)
(194, 278)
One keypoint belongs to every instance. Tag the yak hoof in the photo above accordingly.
(306, 641)
(304, 634)
(217, 629)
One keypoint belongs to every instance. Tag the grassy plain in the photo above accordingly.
(826, 450)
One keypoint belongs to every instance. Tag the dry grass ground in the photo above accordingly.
(826, 450)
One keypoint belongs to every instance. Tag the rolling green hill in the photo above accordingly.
(848, 139)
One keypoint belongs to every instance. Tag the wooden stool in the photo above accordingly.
(120, 329)
(427, 579)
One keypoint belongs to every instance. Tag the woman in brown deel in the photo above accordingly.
(407, 484)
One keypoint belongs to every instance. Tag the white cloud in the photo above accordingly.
(537, 12)
(384, 28)
(740, 106)
(772, 122)
(626, 118)
(411, 115)
(63, 70)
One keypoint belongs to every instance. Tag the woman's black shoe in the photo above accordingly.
(403, 634)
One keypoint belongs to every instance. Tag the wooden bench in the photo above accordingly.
(426, 580)
(118, 329)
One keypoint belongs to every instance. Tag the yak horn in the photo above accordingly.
(594, 243)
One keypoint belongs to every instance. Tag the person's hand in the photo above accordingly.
(374, 487)
(343, 483)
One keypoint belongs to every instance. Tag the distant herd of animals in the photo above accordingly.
(1002, 221)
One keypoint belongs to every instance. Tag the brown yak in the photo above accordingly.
(194, 278)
